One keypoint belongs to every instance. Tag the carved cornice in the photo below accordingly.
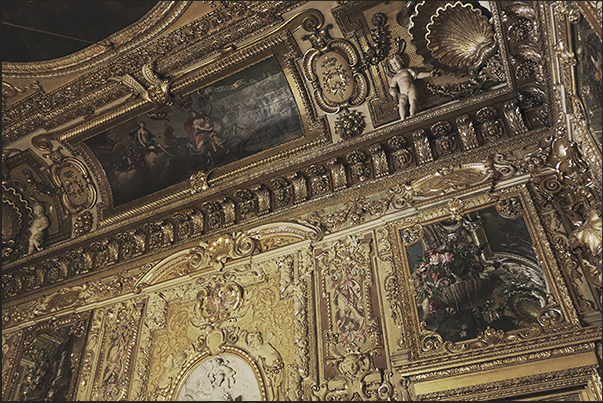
(587, 376)
(207, 256)
(503, 362)
(103, 248)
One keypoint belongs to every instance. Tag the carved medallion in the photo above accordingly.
(78, 191)
(332, 66)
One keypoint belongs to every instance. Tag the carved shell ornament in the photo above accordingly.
(15, 215)
(458, 38)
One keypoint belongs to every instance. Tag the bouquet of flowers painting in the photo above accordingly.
(476, 273)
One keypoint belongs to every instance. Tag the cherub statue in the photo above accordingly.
(402, 85)
(38, 225)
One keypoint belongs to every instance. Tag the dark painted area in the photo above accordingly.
(68, 26)
(239, 116)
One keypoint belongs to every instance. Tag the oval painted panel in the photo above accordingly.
(223, 377)
(335, 77)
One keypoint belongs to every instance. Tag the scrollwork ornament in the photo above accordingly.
(429, 340)
(333, 68)
(215, 304)
(157, 91)
(411, 235)
(510, 207)
(551, 314)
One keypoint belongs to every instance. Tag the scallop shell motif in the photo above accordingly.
(461, 37)
(15, 216)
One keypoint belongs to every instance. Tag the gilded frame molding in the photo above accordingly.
(426, 346)
(280, 45)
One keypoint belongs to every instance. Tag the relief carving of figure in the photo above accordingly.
(589, 233)
(271, 361)
(221, 374)
(402, 86)
(216, 381)
(39, 224)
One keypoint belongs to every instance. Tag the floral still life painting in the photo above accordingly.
(237, 117)
(465, 285)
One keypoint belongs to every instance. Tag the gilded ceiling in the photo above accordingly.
(206, 115)
(304, 200)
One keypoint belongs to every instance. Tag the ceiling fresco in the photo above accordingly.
(232, 119)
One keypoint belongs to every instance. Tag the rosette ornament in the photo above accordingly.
(456, 38)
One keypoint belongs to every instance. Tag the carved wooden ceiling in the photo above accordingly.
(206, 115)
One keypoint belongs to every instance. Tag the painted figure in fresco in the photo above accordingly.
(38, 225)
(402, 86)
(350, 315)
(204, 139)
(143, 136)
(51, 378)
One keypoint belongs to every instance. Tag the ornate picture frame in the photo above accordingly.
(156, 94)
(460, 221)
(46, 359)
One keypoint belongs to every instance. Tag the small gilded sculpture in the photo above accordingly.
(589, 233)
(402, 85)
(38, 225)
